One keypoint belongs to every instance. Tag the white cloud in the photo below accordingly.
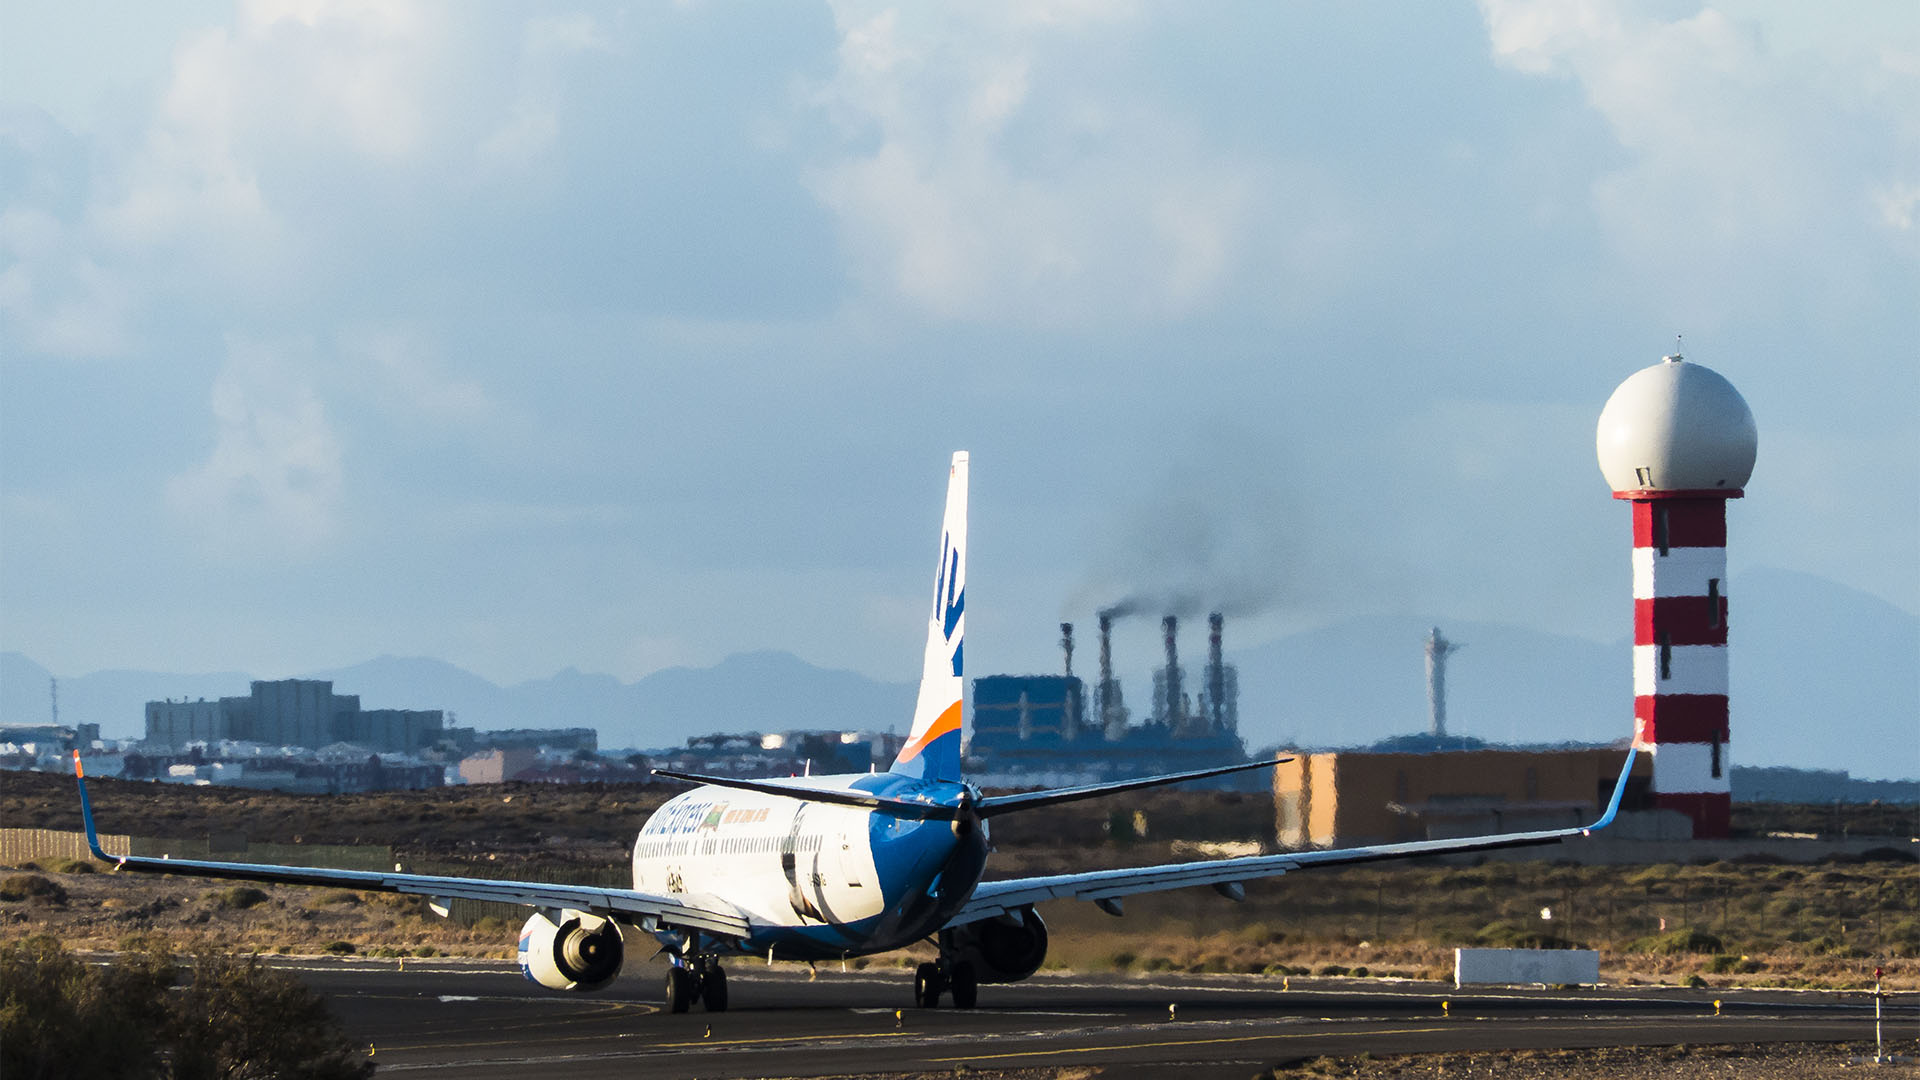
(1739, 177)
(401, 370)
(969, 192)
(274, 482)
(54, 293)
(549, 46)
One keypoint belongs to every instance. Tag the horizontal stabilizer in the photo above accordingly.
(903, 808)
(1007, 804)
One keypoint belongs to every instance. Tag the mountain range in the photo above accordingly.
(1824, 676)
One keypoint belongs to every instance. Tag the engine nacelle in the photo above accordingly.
(1004, 949)
(581, 952)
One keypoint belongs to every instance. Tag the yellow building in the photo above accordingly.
(1344, 798)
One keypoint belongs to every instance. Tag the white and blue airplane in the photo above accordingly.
(830, 867)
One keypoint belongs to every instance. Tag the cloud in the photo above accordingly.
(977, 179)
(274, 482)
(400, 370)
(1738, 178)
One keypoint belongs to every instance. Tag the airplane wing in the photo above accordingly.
(705, 914)
(1107, 887)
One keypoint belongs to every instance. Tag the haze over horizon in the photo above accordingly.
(620, 337)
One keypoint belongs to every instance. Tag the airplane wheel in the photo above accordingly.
(926, 986)
(680, 989)
(713, 989)
(966, 986)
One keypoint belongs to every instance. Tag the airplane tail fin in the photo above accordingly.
(932, 749)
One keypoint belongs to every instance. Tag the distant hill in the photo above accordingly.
(1825, 677)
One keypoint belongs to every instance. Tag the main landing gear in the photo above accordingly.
(930, 980)
(698, 978)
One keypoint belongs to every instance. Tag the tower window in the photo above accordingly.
(1660, 528)
(1716, 755)
(1666, 656)
(1713, 602)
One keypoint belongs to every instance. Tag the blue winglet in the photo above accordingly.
(1619, 790)
(86, 812)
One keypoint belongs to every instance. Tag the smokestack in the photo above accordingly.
(1105, 689)
(1066, 645)
(1216, 675)
(1176, 706)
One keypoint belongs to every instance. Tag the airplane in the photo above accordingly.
(815, 868)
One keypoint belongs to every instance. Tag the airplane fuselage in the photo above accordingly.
(815, 880)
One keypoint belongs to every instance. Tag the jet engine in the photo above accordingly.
(580, 952)
(1004, 949)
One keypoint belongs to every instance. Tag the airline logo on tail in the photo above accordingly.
(932, 750)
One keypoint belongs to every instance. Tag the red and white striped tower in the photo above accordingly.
(1678, 441)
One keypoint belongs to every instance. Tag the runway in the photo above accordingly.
(483, 1020)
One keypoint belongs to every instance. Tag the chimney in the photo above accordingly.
(1176, 706)
(1112, 720)
(1066, 645)
(1216, 676)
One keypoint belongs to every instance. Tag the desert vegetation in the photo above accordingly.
(152, 1014)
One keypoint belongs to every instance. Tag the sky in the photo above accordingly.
(623, 336)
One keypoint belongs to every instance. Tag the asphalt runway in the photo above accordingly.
(451, 1018)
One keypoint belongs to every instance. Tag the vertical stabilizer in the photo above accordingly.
(932, 750)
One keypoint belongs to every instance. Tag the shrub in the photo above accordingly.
(1675, 942)
(341, 948)
(240, 898)
(1331, 969)
(34, 888)
(231, 1018)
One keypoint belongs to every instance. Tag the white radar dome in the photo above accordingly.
(1677, 426)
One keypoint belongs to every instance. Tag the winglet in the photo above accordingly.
(1619, 789)
(86, 812)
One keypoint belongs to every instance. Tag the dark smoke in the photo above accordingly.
(1212, 534)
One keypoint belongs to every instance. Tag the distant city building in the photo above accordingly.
(788, 753)
(574, 738)
(292, 712)
(61, 738)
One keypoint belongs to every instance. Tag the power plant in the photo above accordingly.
(1035, 729)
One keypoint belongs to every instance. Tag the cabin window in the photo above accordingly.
(1644, 475)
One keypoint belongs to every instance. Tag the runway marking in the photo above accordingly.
(1628, 1022)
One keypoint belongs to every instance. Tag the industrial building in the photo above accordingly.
(1347, 798)
(1035, 730)
(292, 712)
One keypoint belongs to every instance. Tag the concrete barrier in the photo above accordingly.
(1524, 966)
